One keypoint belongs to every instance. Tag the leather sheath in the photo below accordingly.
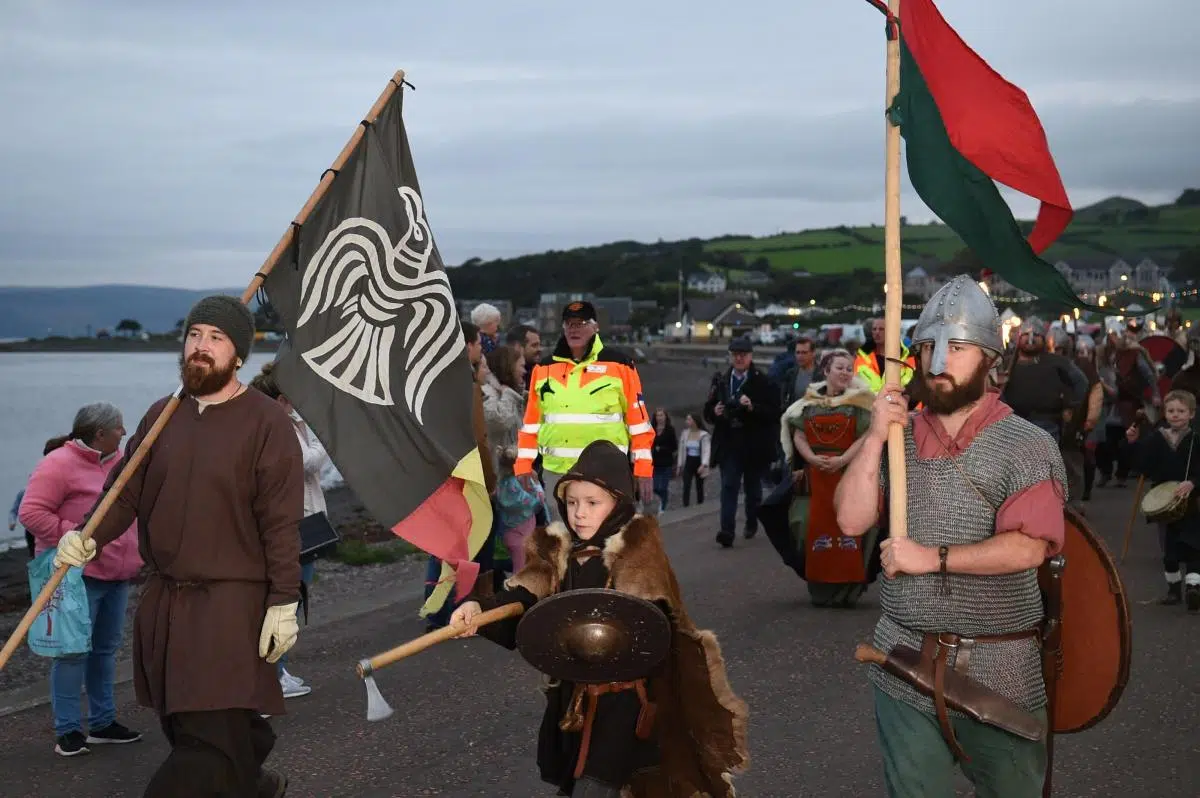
(961, 692)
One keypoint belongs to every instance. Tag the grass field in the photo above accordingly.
(841, 250)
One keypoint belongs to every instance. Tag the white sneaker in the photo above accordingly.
(293, 690)
(289, 677)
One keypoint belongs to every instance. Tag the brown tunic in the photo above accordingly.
(218, 501)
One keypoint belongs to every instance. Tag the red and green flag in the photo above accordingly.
(965, 129)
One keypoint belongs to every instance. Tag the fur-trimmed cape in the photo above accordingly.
(701, 724)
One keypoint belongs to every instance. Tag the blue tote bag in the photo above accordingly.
(64, 626)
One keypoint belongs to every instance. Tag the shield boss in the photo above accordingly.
(593, 636)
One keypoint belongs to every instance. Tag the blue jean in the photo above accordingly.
(662, 483)
(306, 576)
(97, 668)
(736, 474)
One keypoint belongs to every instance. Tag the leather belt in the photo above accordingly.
(576, 720)
(936, 647)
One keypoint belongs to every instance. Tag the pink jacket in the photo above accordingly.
(63, 488)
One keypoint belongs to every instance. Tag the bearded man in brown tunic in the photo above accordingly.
(218, 501)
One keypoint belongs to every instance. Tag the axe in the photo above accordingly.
(968, 696)
(377, 707)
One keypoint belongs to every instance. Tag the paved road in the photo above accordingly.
(466, 712)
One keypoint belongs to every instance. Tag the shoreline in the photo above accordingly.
(678, 385)
(110, 345)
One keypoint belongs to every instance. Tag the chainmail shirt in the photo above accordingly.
(1006, 457)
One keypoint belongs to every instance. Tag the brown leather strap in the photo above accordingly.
(939, 703)
(965, 645)
(645, 721)
(1035, 631)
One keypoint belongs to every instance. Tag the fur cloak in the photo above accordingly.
(701, 724)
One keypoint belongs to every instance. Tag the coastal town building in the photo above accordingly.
(1087, 276)
(706, 282)
(712, 320)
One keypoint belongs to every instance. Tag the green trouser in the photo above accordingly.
(917, 763)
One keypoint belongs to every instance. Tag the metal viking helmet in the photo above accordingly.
(961, 312)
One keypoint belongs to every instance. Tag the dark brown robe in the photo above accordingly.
(700, 727)
(218, 501)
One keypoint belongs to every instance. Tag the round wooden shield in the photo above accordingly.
(1097, 631)
(594, 635)
(1169, 355)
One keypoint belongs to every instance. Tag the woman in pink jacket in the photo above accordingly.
(63, 488)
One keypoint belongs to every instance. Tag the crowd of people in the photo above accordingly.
(578, 468)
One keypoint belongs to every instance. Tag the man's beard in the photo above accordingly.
(201, 377)
(944, 402)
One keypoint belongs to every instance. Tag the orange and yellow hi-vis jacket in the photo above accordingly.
(866, 366)
(572, 404)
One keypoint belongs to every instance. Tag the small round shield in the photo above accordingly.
(594, 635)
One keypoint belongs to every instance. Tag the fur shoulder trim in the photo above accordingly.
(637, 561)
(546, 552)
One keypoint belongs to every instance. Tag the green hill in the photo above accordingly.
(1115, 227)
(833, 265)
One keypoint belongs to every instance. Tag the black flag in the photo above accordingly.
(376, 361)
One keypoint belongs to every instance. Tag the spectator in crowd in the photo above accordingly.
(869, 363)
(487, 318)
(584, 392)
(694, 452)
(525, 340)
(743, 407)
(64, 487)
(801, 373)
(663, 454)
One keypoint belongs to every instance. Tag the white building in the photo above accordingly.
(706, 283)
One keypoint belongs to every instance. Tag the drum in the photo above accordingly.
(1162, 506)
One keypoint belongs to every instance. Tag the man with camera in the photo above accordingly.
(743, 409)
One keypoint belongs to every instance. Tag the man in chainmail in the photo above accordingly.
(985, 494)
(1047, 389)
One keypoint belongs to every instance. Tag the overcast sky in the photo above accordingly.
(170, 143)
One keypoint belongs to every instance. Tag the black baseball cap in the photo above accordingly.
(742, 344)
(580, 309)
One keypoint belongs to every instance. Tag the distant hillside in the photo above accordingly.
(1115, 227)
(39, 312)
(832, 266)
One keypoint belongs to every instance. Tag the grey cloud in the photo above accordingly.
(172, 143)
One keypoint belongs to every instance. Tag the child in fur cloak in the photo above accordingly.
(697, 738)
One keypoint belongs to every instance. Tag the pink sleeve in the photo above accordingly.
(39, 508)
(1036, 511)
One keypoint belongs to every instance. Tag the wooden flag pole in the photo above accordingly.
(897, 476)
(135, 461)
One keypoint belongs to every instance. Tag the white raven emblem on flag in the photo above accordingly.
(369, 282)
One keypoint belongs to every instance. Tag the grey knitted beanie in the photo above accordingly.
(230, 316)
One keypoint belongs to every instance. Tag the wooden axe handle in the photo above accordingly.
(419, 644)
(868, 653)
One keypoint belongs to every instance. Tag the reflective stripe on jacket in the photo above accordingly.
(573, 404)
(865, 366)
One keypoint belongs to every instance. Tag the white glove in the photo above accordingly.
(279, 631)
(74, 550)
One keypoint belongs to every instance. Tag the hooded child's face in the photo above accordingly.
(588, 505)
